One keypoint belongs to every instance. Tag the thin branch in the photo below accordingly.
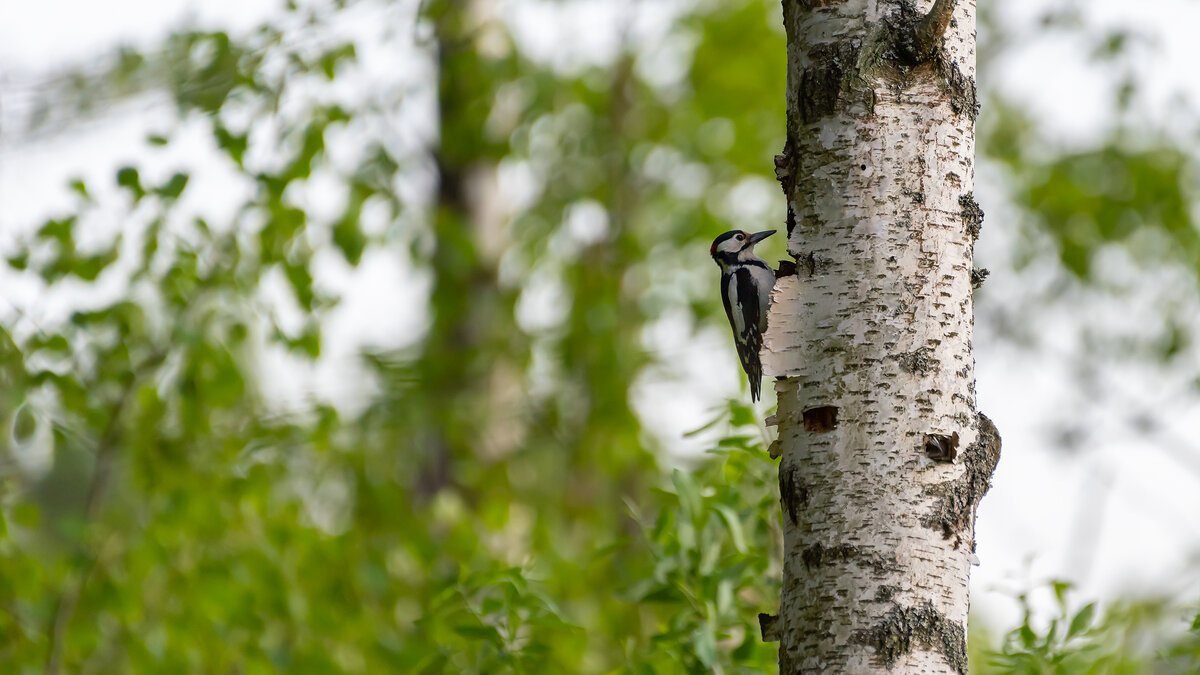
(932, 26)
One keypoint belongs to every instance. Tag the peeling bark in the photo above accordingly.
(883, 455)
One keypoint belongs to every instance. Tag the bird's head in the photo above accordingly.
(736, 245)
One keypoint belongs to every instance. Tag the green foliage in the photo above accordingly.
(716, 547)
(1131, 637)
(497, 506)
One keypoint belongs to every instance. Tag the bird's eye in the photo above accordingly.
(740, 237)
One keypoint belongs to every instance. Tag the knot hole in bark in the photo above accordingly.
(769, 625)
(820, 420)
(941, 448)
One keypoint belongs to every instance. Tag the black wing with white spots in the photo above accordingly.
(740, 296)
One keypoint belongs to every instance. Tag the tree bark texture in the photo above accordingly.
(884, 456)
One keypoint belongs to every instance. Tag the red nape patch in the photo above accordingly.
(712, 250)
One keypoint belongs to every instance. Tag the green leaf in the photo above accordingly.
(60, 230)
(705, 644)
(1082, 620)
(348, 237)
(302, 283)
(705, 427)
(80, 188)
(330, 59)
(740, 414)
(127, 177)
(734, 524)
(173, 187)
(689, 494)
(1028, 637)
(234, 145)
(1060, 592)
(488, 633)
(24, 424)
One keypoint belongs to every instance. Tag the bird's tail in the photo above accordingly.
(753, 368)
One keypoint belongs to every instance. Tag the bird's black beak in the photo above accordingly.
(759, 236)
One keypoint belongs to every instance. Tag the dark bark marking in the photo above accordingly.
(833, 71)
(818, 555)
(978, 276)
(971, 214)
(793, 493)
(905, 629)
(787, 268)
(821, 420)
(785, 173)
(941, 448)
(810, 264)
(954, 511)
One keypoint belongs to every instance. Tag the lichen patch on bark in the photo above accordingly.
(907, 629)
(919, 361)
(971, 214)
(954, 510)
(960, 89)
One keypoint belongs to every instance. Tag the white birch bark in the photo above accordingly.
(884, 456)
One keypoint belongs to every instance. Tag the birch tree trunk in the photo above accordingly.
(884, 456)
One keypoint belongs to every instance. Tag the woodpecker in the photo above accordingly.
(746, 283)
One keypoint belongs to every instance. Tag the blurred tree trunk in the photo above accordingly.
(884, 456)
(471, 335)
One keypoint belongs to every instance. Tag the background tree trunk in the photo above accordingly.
(884, 456)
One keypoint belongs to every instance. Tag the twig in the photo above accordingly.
(932, 27)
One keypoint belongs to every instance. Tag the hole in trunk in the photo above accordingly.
(941, 448)
(820, 420)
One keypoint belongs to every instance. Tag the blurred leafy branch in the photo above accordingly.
(475, 515)
(1150, 635)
